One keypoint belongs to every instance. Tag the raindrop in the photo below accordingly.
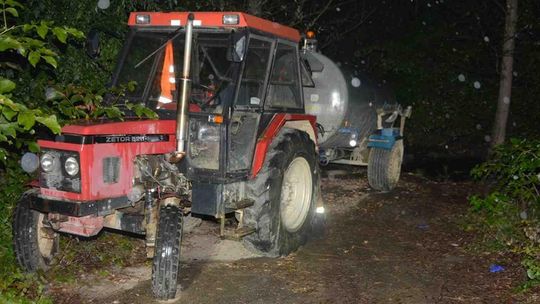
(515, 73)
(423, 23)
(514, 124)
(446, 146)
(104, 4)
(355, 82)
(477, 85)
(506, 100)
(50, 93)
(487, 138)
(515, 177)
(338, 9)
(454, 50)
(363, 62)
(461, 77)
(429, 4)
(486, 38)
(478, 127)
(447, 115)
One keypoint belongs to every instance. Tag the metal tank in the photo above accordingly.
(345, 103)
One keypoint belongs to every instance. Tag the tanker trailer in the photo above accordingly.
(357, 118)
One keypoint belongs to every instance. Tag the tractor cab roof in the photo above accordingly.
(213, 19)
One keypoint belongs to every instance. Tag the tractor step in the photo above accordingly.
(238, 233)
(241, 204)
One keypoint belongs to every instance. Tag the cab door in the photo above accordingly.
(245, 119)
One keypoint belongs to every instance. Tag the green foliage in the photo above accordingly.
(510, 214)
(74, 102)
(15, 286)
(29, 42)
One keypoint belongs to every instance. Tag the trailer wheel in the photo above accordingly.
(166, 261)
(384, 167)
(285, 193)
(34, 243)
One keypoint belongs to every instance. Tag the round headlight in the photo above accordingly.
(47, 162)
(72, 166)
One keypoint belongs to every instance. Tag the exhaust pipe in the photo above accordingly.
(182, 107)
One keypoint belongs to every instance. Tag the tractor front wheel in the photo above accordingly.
(166, 262)
(384, 167)
(35, 243)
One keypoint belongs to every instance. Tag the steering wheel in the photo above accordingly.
(208, 89)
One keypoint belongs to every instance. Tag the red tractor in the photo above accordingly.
(232, 141)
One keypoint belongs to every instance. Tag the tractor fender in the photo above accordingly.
(302, 122)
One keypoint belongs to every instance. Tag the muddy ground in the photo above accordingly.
(400, 247)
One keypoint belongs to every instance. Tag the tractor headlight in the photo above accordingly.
(47, 162)
(71, 166)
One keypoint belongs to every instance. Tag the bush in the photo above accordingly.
(510, 213)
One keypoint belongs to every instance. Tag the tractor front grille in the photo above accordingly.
(111, 170)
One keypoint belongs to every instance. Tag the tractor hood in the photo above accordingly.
(138, 127)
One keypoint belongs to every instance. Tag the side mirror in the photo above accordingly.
(237, 48)
(92, 44)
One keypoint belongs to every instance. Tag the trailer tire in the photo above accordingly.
(166, 263)
(285, 194)
(384, 167)
(34, 243)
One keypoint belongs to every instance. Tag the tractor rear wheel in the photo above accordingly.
(285, 194)
(384, 167)
(166, 261)
(34, 242)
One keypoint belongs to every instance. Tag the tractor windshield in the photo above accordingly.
(154, 65)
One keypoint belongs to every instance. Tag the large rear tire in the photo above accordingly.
(285, 194)
(34, 242)
(166, 261)
(384, 167)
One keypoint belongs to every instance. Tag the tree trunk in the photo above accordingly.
(507, 62)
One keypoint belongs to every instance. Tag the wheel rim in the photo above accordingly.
(45, 238)
(296, 192)
(394, 167)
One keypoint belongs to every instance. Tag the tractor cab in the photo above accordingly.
(242, 69)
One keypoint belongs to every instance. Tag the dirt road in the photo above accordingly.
(399, 247)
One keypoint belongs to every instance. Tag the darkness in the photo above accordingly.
(443, 58)
(436, 232)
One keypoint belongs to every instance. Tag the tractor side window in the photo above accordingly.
(283, 89)
(256, 62)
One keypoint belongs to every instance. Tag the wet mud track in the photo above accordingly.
(400, 247)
